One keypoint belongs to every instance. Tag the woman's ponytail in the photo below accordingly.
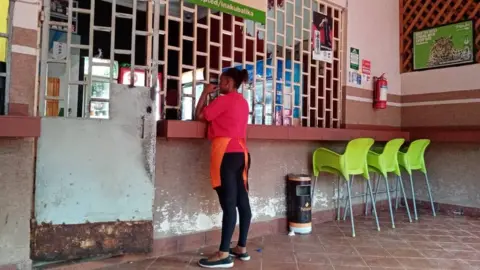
(238, 76)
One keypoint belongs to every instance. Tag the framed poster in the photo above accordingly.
(322, 38)
(443, 46)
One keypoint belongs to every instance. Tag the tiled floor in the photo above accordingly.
(431, 243)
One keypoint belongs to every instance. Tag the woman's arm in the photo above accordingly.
(202, 102)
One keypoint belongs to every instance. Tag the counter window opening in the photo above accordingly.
(6, 13)
(90, 46)
(285, 87)
(195, 44)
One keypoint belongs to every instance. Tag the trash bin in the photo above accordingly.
(299, 200)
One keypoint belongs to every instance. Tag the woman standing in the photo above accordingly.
(229, 162)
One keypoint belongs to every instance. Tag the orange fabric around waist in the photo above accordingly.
(218, 149)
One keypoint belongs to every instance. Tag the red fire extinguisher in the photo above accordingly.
(380, 92)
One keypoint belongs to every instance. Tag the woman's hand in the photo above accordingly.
(210, 88)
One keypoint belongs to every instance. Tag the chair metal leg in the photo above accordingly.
(338, 197)
(389, 201)
(397, 186)
(350, 207)
(400, 180)
(345, 211)
(377, 184)
(373, 204)
(430, 195)
(413, 198)
(312, 192)
(366, 201)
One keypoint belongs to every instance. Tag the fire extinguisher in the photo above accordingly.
(380, 92)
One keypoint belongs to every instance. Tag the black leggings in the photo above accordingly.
(232, 195)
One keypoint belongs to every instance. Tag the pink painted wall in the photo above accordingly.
(366, 19)
(441, 80)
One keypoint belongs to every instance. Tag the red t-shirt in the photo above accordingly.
(228, 117)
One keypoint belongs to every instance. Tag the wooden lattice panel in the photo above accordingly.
(418, 15)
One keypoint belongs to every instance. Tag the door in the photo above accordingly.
(94, 185)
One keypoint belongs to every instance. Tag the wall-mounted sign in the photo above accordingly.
(248, 9)
(322, 37)
(354, 58)
(366, 67)
(443, 46)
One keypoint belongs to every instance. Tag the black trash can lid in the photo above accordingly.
(299, 177)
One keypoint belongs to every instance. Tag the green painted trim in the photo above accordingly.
(233, 8)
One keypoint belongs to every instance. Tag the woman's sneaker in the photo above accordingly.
(242, 256)
(221, 263)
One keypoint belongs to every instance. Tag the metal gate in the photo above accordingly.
(94, 185)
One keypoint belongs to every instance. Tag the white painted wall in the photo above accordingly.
(98, 170)
(25, 14)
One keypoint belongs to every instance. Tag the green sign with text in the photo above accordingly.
(443, 46)
(248, 9)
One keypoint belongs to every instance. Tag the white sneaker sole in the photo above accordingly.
(245, 259)
(219, 266)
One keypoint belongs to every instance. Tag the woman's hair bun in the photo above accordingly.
(238, 76)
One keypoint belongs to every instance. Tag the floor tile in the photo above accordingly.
(452, 264)
(344, 250)
(373, 261)
(171, 262)
(405, 252)
(352, 267)
(308, 248)
(372, 251)
(280, 257)
(425, 245)
(430, 243)
(465, 255)
(322, 259)
(417, 263)
(345, 260)
(455, 246)
(311, 266)
(442, 239)
(279, 266)
(475, 264)
(436, 254)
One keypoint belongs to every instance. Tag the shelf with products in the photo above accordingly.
(59, 13)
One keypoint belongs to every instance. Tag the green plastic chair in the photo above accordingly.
(352, 162)
(387, 162)
(413, 159)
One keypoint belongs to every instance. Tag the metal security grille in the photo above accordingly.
(287, 87)
(196, 44)
(81, 51)
(5, 45)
